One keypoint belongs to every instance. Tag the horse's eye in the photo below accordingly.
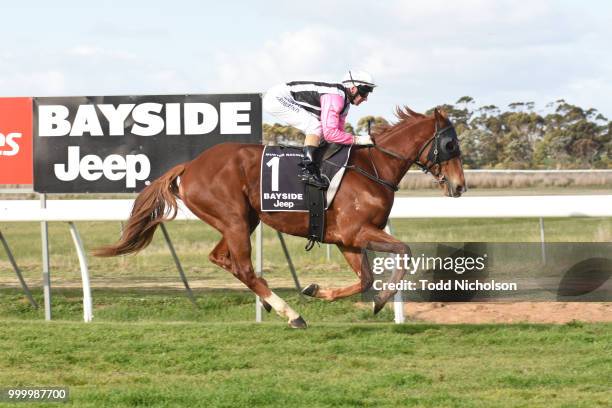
(450, 145)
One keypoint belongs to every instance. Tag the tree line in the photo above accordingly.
(518, 137)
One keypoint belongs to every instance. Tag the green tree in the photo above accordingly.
(574, 138)
(348, 128)
(479, 148)
(459, 116)
(569, 136)
(513, 134)
(487, 119)
(465, 100)
(281, 134)
(517, 152)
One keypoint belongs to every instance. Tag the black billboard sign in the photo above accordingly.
(111, 144)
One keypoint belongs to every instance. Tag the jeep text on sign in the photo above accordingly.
(15, 141)
(121, 143)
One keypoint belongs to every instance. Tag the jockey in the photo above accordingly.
(319, 109)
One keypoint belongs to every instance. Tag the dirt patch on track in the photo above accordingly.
(522, 312)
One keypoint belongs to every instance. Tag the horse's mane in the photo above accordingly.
(406, 117)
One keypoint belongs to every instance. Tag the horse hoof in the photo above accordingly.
(266, 306)
(311, 290)
(298, 323)
(378, 305)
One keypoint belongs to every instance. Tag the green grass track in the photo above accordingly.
(329, 365)
(154, 349)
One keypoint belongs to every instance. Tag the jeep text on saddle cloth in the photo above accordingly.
(118, 144)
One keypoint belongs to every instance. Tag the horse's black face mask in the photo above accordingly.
(445, 146)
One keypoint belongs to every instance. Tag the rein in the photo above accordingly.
(423, 166)
(373, 177)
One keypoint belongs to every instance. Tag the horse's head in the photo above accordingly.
(430, 142)
(440, 155)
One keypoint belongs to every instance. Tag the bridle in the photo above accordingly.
(434, 156)
(438, 154)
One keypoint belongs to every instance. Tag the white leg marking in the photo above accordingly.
(281, 307)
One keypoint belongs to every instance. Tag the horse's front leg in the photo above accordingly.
(379, 240)
(370, 238)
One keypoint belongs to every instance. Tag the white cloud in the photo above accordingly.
(590, 92)
(168, 81)
(39, 83)
(89, 51)
(84, 51)
(422, 53)
(306, 53)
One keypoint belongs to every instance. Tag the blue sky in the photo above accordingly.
(422, 53)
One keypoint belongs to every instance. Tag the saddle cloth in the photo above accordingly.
(282, 190)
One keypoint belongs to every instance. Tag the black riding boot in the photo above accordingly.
(310, 171)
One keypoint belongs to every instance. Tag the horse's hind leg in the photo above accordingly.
(353, 256)
(220, 256)
(239, 245)
(235, 220)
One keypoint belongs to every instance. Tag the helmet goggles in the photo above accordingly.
(364, 90)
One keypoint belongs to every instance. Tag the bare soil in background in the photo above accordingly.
(522, 312)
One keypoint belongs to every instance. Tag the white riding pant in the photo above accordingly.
(278, 102)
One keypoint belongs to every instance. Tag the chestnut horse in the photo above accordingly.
(221, 187)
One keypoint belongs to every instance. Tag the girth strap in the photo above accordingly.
(315, 197)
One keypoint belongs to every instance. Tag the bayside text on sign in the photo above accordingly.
(121, 143)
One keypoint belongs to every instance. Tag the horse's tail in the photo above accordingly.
(154, 205)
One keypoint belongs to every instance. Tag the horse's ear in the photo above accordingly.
(441, 118)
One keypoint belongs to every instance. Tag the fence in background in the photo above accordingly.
(71, 211)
